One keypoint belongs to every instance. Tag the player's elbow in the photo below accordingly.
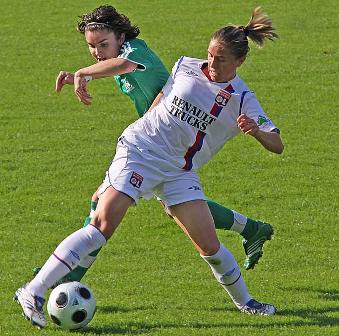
(276, 145)
(278, 149)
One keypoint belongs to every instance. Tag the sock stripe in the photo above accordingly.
(98, 230)
(63, 261)
(232, 283)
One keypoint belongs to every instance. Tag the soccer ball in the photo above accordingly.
(71, 305)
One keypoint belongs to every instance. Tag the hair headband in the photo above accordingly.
(98, 24)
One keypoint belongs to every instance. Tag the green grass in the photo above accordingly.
(149, 280)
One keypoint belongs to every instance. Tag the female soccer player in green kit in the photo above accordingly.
(140, 74)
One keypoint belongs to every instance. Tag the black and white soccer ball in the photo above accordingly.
(71, 305)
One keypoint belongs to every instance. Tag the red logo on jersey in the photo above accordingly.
(223, 97)
(136, 180)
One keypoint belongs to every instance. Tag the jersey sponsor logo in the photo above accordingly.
(191, 114)
(126, 85)
(136, 180)
(262, 120)
(199, 139)
(222, 97)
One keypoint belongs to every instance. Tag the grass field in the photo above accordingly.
(148, 280)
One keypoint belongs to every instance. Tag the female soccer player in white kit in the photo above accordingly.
(114, 44)
(202, 106)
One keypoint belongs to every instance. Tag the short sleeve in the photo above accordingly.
(252, 108)
(136, 52)
(170, 81)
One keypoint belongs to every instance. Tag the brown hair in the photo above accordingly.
(235, 38)
(107, 17)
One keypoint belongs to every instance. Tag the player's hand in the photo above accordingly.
(247, 125)
(63, 78)
(80, 89)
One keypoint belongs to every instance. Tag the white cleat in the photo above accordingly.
(31, 306)
(253, 307)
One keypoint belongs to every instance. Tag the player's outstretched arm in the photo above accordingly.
(270, 140)
(107, 68)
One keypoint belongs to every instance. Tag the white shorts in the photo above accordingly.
(141, 174)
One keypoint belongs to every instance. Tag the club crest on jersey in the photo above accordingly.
(136, 180)
(223, 97)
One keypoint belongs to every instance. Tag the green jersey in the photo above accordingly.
(143, 84)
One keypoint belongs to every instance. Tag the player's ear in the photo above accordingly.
(122, 38)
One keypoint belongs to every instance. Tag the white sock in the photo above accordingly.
(66, 257)
(87, 261)
(239, 222)
(227, 273)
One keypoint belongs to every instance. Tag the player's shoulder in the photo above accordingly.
(132, 45)
(239, 86)
(190, 61)
(135, 42)
(188, 64)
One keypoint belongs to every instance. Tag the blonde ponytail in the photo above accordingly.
(259, 28)
(235, 38)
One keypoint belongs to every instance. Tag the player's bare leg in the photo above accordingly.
(112, 207)
(78, 273)
(196, 221)
(255, 233)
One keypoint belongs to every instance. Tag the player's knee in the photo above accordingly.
(104, 222)
(209, 248)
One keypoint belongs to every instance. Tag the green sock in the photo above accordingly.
(224, 219)
(93, 208)
(78, 273)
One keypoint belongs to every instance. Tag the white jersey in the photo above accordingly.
(195, 117)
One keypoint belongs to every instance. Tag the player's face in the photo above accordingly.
(222, 64)
(103, 44)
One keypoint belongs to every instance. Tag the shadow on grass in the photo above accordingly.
(117, 309)
(304, 317)
(310, 318)
(323, 294)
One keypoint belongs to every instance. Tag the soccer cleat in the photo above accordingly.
(253, 307)
(31, 306)
(64, 279)
(254, 246)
